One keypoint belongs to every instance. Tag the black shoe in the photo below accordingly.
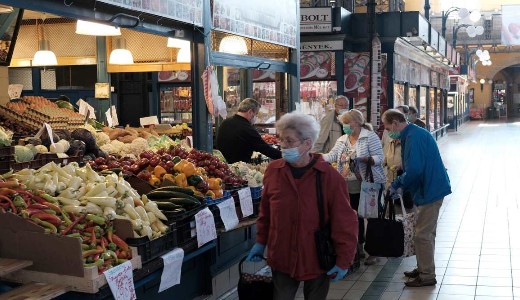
(412, 274)
(419, 282)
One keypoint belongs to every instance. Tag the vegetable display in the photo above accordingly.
(254, 178)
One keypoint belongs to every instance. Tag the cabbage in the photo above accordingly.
(22, 154)
(6, 137)
(41, 149)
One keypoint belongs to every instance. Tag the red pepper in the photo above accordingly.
(53, 219)
(110, 232)
(71, 225)
(93, 236)
(11, 204)
(38, 206)
(31, 211)
(122, 254)
(103, 243)
(53, 207)
(92, 252)
(72, 216)
(4, 205)
(7, 192)
(38, 199)
(119, 242)
(96, 257)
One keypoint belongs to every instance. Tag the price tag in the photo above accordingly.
(246, 201)
(171, 274)
(115, 120)
(92, 112)
(152, 120)
(228, 213)
(83, 107)
(121, 281)
(49, 132)
(205, 226)
(108, 114)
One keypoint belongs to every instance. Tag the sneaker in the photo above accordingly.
(412, 274)
(370, 260)
(419, 282)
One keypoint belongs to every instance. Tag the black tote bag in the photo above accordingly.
(254, 287)
(385, 236)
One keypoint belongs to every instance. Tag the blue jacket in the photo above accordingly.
(424, 173)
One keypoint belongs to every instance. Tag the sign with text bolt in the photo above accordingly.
(316, 19)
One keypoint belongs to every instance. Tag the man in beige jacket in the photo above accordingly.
(330, 127)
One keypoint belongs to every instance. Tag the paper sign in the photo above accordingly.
(246, 201)
(40, 132)
(115, 120)
(171, 274)
(108, 114)
(228, 213)
(121, 281)
(49, 132)
(205, 226)
(152, 120)
(92, 112)
(83, 107)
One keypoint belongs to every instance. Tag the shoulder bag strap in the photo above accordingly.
(320, 199)
(368, 172)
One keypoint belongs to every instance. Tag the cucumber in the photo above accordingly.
(174, 212)
(167, 205)
(185, 202)
(160, 195)
(173, 188)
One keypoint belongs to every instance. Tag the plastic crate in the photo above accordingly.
(7, 151)
(152, 249)
(5, 166)
(211, 201)
(256, 192)
(216, 215)
(185, 224)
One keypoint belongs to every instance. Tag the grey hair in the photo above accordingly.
(248, 104)
(404, 107)
(306, 127)
(413, 110)
(341, 97)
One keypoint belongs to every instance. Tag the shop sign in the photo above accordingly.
(316, 19)
(272, 21)
(321, 46)
(180, 10)
(174, 76)
(316, 65)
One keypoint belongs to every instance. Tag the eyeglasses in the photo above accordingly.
(342, 106)
(289, 142)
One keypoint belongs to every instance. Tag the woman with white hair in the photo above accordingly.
(289, 214)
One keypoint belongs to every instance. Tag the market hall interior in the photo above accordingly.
(477, 250)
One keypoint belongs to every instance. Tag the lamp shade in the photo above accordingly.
(44, 56)
(96, 29)
(184, 55)
(177, 43)
(120, 55)
(233, 45)
(482, 81)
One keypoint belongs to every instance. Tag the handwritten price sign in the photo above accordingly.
(205, 225)
(121, 281)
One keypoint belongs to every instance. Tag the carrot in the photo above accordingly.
(120, 243)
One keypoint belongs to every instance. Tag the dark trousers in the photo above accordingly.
(285, 287)
(354, 203)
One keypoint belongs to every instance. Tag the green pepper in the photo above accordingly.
(85, 247)
(112, 246)
(48, 198)
(18, 201)
(47, 225)
(66, 218)
(98, 263)
(193, 180)
(50, 211)
(96, 219)
(176, 159)
(74, 235)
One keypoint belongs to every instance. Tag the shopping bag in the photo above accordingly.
(254, 287)
(408, 219)
(385, 236)
(369, 199)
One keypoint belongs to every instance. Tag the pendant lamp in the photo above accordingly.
(44, 56)
(233, 45)
(120, 55)
(184, 55)
(96, 29)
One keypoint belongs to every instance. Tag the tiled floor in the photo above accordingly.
(478, 237)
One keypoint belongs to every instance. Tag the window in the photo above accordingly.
(69, 78)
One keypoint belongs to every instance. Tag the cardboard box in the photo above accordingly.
(56, 259)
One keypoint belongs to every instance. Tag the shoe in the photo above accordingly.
(412, 274)
(418, 282)
(360, 251)
(370, 260)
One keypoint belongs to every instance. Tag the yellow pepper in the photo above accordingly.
(154, 181)
(189, 169)
(180, 165)
(200, 171)
(211, 194)
(181, 180)
(214, 183)
(159, 172)
(218, 193)
(169, 177)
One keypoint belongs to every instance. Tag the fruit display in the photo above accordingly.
(81, 190)
(270, 139)
(101, 246)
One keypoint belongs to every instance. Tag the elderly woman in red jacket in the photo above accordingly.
(289, 214)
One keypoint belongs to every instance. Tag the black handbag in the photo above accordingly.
(254, 287)
(323, 236)
(385, 236)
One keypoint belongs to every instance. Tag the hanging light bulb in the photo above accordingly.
(120, 55)
(184, 55)
(96, 29)
(44, 56)
(177, 43)
(474, 16)
(233, 45)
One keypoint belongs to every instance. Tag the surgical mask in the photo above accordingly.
(291, 155)
(409, 118)
(347, 129)
(341, 111)
(394, 135)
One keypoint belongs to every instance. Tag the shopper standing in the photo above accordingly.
(412, 117)
(330, 127)
(289, 214)
(426, 178)
(237, 138)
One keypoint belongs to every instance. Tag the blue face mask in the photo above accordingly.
(291, 155)
(394, 135)
(347, 129)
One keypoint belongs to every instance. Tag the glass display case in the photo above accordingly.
(398, 94)
(264, 91)
(317, 97)
(175, 97)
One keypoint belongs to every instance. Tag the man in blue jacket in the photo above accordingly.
(426, 178)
